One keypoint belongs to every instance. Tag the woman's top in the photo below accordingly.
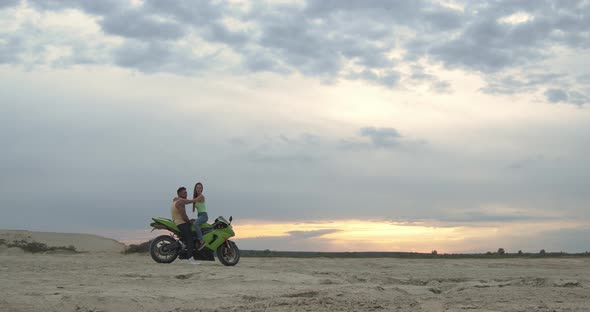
(200, 206)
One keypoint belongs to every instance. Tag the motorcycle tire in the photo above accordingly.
(228, 255)
(160, 253)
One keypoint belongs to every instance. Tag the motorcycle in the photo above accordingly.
(166, 248)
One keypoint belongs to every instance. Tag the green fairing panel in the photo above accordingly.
(167, 222)
(216, 238)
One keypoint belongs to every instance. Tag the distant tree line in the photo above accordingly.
(501, 253)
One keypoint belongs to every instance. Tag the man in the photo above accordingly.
(182, 221)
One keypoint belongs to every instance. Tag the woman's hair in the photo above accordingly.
(195, 189)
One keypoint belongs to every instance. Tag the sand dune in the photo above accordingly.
(82, 242)
(111, 281)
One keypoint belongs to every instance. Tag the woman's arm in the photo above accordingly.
(184, 201)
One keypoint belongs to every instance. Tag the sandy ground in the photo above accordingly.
(116, 282)
(82, 242)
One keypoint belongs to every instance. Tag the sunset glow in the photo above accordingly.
(359, 235)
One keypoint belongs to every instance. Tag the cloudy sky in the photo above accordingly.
(319, 125)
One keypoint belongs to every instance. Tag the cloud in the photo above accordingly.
(8, 3)
(527, 162)
(311, 234)
(570, 97)
(519, 83)
(283, 148)
(381, 137)
(339, 40)
(388, 78)
(134, 24)
(492, 216)
(93, 7)
(153, 57)
(487, 45)
(556, 95)
(10, 48)
(566, 240)
(584, 79)
(441, 87)
(473, 49)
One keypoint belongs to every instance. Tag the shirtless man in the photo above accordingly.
(182, 221)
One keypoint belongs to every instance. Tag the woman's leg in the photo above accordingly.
(201, 218)
(198, 230)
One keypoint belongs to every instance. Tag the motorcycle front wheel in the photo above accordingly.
(228, 255)
(160, 249)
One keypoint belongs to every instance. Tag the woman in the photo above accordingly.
(202, 216)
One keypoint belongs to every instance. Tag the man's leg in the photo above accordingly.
(187, 235)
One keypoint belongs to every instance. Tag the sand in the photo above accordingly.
(82, 242)
(99, 281)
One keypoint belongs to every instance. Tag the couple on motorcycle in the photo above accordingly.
(183, 222)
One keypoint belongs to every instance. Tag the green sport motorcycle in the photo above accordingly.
(166, 248)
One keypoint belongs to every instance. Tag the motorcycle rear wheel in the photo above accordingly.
(228, 255)
(160, 251)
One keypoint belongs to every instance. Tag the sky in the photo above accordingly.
(456, 126)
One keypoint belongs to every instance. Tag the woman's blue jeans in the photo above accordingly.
(202, 217)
